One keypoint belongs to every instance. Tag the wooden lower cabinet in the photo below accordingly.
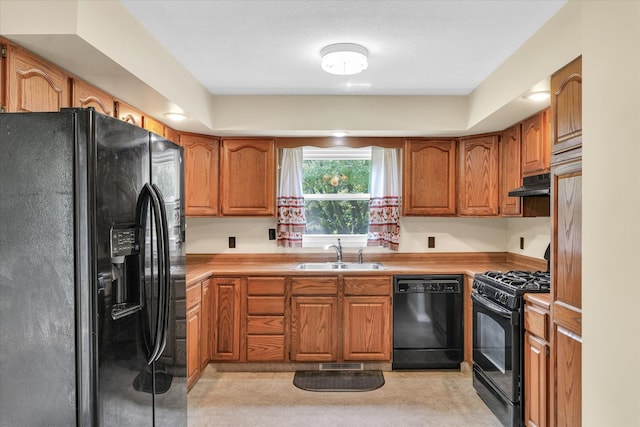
(314, 328)
(194, 324)
(266, 324)
(536, 360)
(366, 318)
(225, 322)
(366, 328)
(205, 325)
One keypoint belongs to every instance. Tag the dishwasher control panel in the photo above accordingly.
(427, 285)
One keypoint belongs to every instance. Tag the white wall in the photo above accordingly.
(210, 235)
(611, 213)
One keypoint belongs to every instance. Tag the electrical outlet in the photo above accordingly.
(272, 234)
(232, 242)
(431, 242)
(522, 243)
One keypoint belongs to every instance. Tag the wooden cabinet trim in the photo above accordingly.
(314, 286)
(194, 295)
(265, 305)
(265, 285)
(367, 286)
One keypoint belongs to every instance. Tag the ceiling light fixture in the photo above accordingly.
(176, 117)
(339, 134)
(540, 95)
(344, 58)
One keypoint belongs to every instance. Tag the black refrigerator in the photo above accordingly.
(92, 282)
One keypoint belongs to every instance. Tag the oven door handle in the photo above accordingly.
(493, 307)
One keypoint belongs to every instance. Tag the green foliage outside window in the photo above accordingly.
(337, 179)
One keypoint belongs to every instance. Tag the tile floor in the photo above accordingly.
(408, 399)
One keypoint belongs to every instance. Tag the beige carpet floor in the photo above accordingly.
(259, 399)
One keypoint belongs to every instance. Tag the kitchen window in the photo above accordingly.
(336, 195)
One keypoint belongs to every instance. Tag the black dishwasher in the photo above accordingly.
(427, 322)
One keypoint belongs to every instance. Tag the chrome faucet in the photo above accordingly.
(338, 249)
(360, 260)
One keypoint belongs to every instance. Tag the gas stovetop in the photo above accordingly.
(507, 288)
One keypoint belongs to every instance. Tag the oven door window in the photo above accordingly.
(494, 339)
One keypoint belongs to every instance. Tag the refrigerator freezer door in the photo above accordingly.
(37, 271)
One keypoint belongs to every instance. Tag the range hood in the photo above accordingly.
(537, 185)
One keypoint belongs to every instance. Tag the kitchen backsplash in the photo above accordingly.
(211, 235)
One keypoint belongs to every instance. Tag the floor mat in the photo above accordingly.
(338, 380)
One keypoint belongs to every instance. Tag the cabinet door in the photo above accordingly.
(127, 113)
(152, 125)
(536, 144)
(478, 176)
(84, 95)
(172, 135)
(511, 171)
(205, 326)
(536, 355)
(366, 327)
(193, 344)
(566, 294)
(429, 177)
(33, 84)
(566, 107)
(201, 174)
(226, 319)
(314, 328)
(247, 177)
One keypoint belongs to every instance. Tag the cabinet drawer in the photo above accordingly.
(314, 286)
(265, 305)
(265, 286)
(367, 285)
(268, 348)
(265, 325)
(194, 295)
(536, 322)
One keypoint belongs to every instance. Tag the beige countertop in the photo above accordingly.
(199, 267)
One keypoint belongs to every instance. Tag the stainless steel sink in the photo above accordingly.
(339, 266)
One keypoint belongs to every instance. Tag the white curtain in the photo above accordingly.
(384, 204)
(291, 218)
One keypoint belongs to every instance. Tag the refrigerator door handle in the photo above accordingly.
(166, 264)
(160, 318)
(148, 198)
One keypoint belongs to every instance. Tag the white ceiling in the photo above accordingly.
(422, 47)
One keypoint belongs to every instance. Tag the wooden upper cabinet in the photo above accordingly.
(247, 177)
(429, 177)
(152, 125)
(85, 95)
(511, 176)
(172, 135)
(566, 107)
(536, 144)
(127, 113)
(34, 85)
(478, 176)
(201, 174)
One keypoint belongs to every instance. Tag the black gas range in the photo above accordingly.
(498, 338)
(508, 288)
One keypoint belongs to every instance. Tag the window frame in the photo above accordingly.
(336, 153)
